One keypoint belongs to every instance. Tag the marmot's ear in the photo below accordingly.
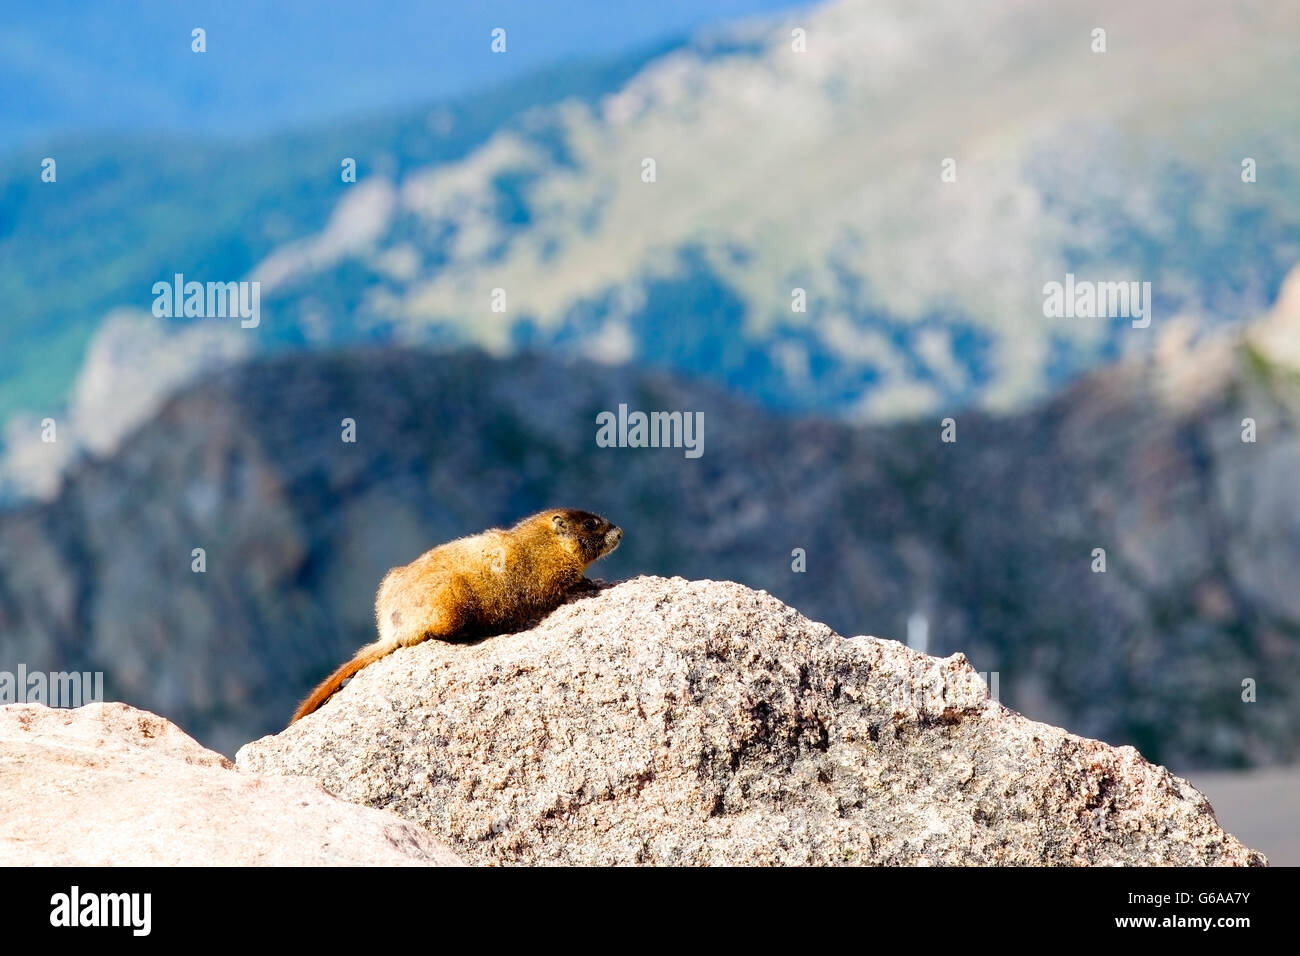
(559, 522)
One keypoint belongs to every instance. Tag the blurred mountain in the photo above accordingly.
(127, 212)
(775, 170)
(129, 65)
(991, 538)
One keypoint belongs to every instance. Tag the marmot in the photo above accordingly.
(483, 584)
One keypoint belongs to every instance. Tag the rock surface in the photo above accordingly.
(672, 722)
(108, 784)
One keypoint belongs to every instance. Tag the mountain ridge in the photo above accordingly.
(991, 538)
(777, 170)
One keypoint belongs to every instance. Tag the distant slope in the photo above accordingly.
(129, 66)
(992, 538)
(778, 170)
(775, 170)
(127, 212)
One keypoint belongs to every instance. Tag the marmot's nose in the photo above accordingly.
(614, 535)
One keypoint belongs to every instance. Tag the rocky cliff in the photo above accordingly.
(991, 538)
(667, 721)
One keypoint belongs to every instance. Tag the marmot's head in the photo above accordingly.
(589, 536)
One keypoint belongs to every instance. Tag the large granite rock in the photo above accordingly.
(696, 722)
(107, 784)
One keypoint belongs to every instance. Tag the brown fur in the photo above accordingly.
(487, 583)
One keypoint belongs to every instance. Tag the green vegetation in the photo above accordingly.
(128, 212)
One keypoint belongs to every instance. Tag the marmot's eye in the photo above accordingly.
(591, 524)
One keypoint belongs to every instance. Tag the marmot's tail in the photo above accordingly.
(327, 688)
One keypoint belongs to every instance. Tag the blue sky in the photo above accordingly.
(76, 67)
